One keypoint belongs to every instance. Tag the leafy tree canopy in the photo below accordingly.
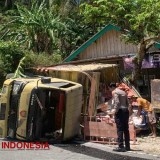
(140, 17)
(139, 21)
(38, 28)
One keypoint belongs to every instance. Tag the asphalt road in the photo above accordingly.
(83, 151)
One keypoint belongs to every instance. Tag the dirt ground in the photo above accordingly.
(147, 144)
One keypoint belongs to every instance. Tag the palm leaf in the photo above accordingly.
(19, 73)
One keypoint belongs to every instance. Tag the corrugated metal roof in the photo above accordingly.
(86, 67)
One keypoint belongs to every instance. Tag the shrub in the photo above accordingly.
(10, 55)
(42, 59)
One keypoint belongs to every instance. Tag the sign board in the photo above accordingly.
(151, 60)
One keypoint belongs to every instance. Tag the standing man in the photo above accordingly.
(145, 105)
(121, 105)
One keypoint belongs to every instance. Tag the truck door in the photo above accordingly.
(4, 106)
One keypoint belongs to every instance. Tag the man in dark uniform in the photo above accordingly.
(121, 105)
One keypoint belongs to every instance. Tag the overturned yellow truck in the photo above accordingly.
(36, 108)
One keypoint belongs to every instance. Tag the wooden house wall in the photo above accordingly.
(110, 44)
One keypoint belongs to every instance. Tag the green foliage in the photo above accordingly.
(47, 26)
(10, 54)
(34, 60)
(43, 31)
(134, 17)
(20, 69)
(95, 13)
(37, 28)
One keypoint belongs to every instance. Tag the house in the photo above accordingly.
(107, 46)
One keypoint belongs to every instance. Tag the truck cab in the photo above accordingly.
(36, 108)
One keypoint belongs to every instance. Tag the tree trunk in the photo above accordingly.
(137, 73)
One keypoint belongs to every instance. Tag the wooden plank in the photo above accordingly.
(91, 107)
(103, 129)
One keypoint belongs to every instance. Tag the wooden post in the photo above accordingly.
(93, 90)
